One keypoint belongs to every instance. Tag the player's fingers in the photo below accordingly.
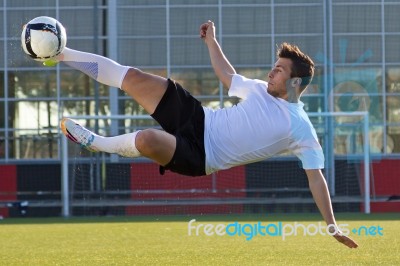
(203, 30)
(346, 241)
(351, 244)
(202, 34)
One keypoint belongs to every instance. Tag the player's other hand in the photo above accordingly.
(207, 30)
(345, 240)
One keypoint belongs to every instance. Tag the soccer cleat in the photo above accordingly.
(78, 134)
(50, 62)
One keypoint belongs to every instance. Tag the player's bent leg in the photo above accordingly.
(123, 145)
(157, 145)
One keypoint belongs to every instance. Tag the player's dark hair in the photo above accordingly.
(302, 64)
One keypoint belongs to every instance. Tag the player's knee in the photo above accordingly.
(147, 142)
(133, 76)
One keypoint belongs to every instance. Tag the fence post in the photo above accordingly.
(64, 178)
(367, 189)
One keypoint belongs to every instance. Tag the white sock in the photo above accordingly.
(100, 68)
(123, 145)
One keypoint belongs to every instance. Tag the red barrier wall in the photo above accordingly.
(386, 175)
(146, 176)
(8, 184)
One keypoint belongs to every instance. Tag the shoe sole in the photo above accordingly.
(65, 130)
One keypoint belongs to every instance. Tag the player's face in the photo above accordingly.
(278, 78)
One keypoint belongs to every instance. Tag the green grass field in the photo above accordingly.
(164, 240)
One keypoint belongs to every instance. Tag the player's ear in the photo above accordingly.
(295, 82)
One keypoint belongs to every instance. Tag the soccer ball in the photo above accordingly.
(43, 38)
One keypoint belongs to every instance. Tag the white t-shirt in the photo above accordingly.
(257, 128)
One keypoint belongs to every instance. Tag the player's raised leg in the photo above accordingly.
(145, 88)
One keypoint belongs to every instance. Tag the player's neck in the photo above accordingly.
(292, 96)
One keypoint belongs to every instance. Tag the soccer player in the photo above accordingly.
(196, 140)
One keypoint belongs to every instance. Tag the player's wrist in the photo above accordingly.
(211, 41)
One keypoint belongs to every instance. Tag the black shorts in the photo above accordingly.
(181, 115)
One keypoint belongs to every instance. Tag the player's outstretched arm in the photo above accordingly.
(320, 192)
(223, 69)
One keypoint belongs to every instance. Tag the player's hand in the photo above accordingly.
(345, 240)
(207, 31)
